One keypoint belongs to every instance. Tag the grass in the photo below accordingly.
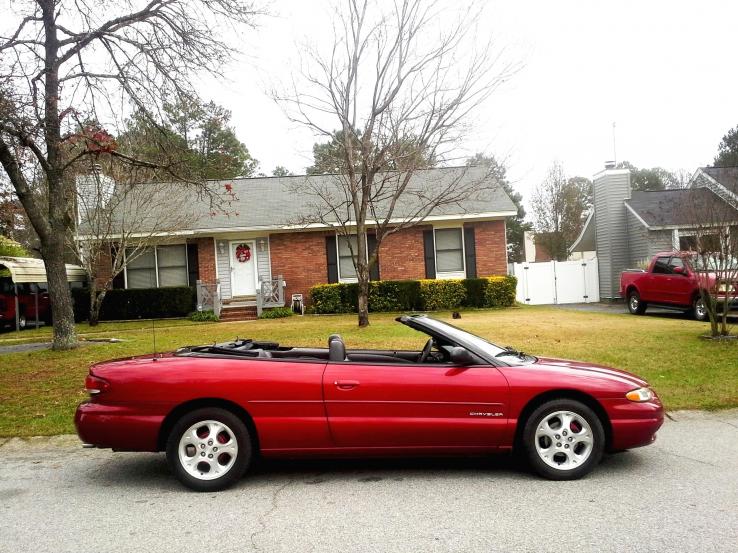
(39, 390)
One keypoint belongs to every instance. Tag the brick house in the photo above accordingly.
(256, 238)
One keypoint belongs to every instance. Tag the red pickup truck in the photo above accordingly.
(670, 281)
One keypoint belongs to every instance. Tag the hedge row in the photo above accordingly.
(416, 295)
(144, 303)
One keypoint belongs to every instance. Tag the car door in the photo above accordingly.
(415, 405)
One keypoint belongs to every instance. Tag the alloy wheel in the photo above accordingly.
(564, 440)
(208, 450)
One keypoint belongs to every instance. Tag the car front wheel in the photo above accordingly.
(563, 440)
(209, 449)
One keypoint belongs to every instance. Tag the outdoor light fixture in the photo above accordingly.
(221, 248)
(262, 245)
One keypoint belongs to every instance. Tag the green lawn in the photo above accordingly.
(39, 390)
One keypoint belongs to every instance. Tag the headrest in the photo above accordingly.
(336, 350)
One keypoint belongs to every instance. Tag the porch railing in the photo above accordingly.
(208, 296)
(270, 293)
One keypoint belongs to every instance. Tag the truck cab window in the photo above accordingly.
(661, 266)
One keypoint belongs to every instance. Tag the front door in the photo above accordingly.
(243, 268)
(415, 405)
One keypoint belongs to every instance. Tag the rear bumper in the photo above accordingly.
(119, 427)
(634, 424)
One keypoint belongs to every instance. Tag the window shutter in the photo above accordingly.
(371, 240)
(430, 254)
(331, 258)
(470, 252)
(193, 264)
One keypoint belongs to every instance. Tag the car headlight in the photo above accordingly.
(640, 395)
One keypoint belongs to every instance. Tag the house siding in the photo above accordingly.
(223, 260)
(610, 189)
(644, 243)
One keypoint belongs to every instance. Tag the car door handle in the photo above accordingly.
(346, 384)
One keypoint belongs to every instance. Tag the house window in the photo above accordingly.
(141, 270)
(172, 263)
(449, 252)
(346, 268)
(158, 267)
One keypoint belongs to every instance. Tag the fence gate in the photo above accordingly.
(552, 282)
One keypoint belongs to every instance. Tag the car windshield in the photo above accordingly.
(507, 354)
(713, 262)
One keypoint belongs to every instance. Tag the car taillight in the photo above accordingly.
(95, 385)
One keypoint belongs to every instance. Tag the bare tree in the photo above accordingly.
(65, 62)
(559, 205)
(400, 87)
(119, 220)
(712, 224)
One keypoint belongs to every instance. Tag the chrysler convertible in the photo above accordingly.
(213, 408)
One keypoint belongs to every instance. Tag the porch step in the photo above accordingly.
(239, 313)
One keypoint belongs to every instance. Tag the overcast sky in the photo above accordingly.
(663, 71)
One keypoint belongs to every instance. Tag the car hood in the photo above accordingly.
(591, 369)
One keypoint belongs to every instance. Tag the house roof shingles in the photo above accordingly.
(275, 202)
(727, 176)
(667, 208)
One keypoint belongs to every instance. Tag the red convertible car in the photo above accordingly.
(213, 408)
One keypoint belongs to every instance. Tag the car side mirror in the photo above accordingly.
(680, 271)
(461, 356)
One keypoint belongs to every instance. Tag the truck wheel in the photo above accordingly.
(699, 309)
(22, 322)
(635, 305)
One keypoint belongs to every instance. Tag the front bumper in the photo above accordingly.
(118, 427)
(634, 424)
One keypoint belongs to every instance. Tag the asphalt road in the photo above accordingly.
(680, 494)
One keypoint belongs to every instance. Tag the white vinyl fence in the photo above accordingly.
(552, 282)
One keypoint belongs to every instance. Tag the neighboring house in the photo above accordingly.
(626, 228)
(258, 237)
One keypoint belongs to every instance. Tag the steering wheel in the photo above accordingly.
(426, 351)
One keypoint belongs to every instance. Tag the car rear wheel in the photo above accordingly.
(563, 439)
(209, 449)
(699, 309)
(22, 321)
(635, 305)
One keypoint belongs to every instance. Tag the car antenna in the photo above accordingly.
(153, 334)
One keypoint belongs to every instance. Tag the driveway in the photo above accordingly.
(678, 495)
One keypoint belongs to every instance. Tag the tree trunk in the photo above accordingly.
(362, 275)
(363, 300)
(65, 335)
(96, 300)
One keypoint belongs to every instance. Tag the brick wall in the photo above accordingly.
(401, 255)
(103, 269)
(300, 258)
(491, 247)
(205, 258)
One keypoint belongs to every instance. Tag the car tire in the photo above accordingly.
(699, 309)
(22, 322)
(209, 449)
(635, 305)
(563, 439)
